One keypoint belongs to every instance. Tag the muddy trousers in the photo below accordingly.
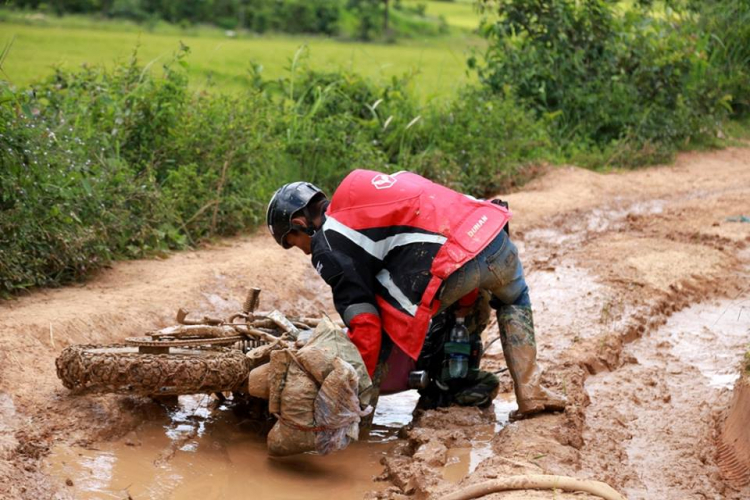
(498, 270)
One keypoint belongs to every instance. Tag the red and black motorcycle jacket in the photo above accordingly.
(387, 243)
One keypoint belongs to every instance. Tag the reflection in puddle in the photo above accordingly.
(392, 413)
(463, 461)
(199, 453)
(99, 467)
(396, 410)
(711, 337)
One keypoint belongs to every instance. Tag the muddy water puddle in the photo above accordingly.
(199, 453)
(711, 338)
(659, 405)
(463, 461)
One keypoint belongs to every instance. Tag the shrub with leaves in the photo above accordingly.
(725, 25)
(603, 76)
(76, 189)
(478, 144)
(98, 164)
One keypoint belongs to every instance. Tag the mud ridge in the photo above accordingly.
(606, 353)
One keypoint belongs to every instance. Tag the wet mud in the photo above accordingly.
(671, 384)
(199, 452)
(639, 282)
(733, 454)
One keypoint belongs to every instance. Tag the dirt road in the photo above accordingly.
(641, 291)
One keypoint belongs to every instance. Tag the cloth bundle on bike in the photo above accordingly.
(317, 393)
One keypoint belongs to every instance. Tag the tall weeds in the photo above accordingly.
(98, 164)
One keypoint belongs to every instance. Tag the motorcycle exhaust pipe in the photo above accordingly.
(418, 379)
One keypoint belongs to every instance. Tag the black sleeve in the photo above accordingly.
(351, 288)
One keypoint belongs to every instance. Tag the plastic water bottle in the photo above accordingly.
(458, 363)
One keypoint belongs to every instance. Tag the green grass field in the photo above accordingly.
(42, 42)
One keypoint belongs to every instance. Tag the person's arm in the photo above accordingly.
(354, 299)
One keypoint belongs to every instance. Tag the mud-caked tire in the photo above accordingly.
(123, 369)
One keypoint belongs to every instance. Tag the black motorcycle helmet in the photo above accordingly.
(285, 203)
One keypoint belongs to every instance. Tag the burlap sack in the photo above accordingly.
(293, 433)
(258, 384)
(332, 339)
(283, 441)
(317, 362)
(316, 394)
(298, 397)
(277, 378)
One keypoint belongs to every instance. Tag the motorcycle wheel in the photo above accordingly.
(122, 369)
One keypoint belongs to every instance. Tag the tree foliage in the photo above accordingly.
(605, 77)
(362, 19)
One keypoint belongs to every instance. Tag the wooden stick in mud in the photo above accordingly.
(202, 330)
(313, 322)
(251, 301)
(207, 320)
(535, 482)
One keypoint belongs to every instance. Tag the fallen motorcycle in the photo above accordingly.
(203, 356)
(307, 389)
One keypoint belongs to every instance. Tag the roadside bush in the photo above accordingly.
(331, 121)
(71, 196)
(726, 28)
(479, 145)
(97, 164)
(219, 164)
(607, 79)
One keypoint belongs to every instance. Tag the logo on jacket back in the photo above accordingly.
(477, 226)
(383, 181)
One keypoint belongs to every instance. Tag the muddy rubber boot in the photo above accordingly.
(433, 397)
(519, 348)
(480, 392)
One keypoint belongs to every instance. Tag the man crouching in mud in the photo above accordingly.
(399, 250)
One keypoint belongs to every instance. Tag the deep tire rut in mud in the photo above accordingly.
(638, 282)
